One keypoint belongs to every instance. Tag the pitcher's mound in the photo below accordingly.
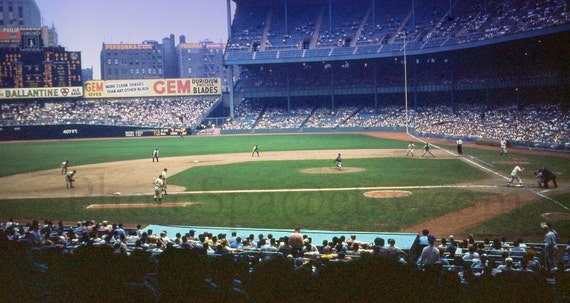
(330, 170)
(387, 194)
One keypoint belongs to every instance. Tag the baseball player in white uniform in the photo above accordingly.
(411, 147)
(69, 179)
(64, 167)
(158, 190)
(503, 145)
(515, 174)
(164, 178)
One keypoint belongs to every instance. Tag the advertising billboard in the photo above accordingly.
(153, 88)
(41, 92)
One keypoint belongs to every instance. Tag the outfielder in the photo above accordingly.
(158, 190)
(515, 175)
(411, 147)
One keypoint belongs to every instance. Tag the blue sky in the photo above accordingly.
(85, 25)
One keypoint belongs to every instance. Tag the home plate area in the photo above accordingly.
(138, 205)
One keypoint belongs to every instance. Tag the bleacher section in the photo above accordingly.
(141, 112)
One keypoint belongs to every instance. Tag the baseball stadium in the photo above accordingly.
(484, 84)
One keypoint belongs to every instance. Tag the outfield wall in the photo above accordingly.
(80, 131)
(311, 130)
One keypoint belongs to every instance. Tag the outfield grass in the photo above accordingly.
(338, 210)
(21, 157)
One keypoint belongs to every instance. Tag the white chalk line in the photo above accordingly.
(282, 190)
(122, 205)
(494, 172)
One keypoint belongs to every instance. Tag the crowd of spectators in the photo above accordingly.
(139, 112)
(540, 125)
(354, 23)
(132, 264)
(544, 125)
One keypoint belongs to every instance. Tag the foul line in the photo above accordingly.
(494, 172)
(548, 198)
(234, 191)
(123, 205)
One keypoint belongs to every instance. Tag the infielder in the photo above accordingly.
(64, 167)
(155, 155)
(338, 162)
(503, 144)
(255, 150)
(164, 178)
(411, 147)
(69, 179)
(427, 150)
(158, 190)
(515, 175)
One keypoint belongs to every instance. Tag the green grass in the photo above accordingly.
(332, 210)
(286, 174)
(525, 220)
(24, 157)
(345, 210)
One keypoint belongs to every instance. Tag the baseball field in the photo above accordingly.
(215, 181)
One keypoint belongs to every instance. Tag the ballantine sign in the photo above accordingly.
(41, 92)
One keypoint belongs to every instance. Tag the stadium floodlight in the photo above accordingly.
(406, 85)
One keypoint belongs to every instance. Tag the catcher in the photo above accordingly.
(69, 179)
(544, 176)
